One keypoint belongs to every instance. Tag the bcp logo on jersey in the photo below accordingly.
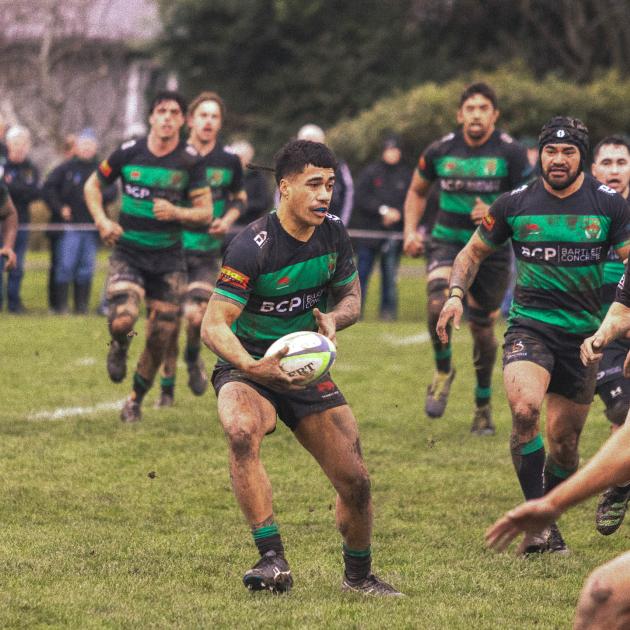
(233, 277)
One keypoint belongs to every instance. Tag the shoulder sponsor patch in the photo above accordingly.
(607, 189)
(488, 221)
(506, 137)
(447, 137)
(191, 150)
(233, 277)
(332, 217)
(128, 144)
(104, 168)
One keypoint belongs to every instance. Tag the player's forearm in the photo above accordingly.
(347, 308)
(199, 214)
(413, 211)
(609, 466)
(9, 225)
(94, 198)
(231, 216)
(616, 323)
(218, 336)
(465, 268)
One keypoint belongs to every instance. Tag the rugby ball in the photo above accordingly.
(310, 355)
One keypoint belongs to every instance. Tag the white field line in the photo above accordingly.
(61, 413)
(393, 340)
(85, 361)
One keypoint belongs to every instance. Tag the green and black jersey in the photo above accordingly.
(280, 280)
(465, 173)
(224, 175)
(146, 177)
(614, 270)
(560, 247)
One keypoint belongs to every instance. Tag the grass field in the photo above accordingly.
(108, 525)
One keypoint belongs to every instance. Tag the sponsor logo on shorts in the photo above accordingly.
(562, 254)
(517, 350)
(614, 393)
(105, 168)
(233, 277)
(325, 386)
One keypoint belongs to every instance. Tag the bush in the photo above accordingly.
(427, 111)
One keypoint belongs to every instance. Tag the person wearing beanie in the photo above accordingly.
(379, 199)
(561, 227)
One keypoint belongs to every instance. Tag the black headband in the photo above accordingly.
(564, 130)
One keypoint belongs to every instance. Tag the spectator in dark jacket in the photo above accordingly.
(379, 199)
(76, 248)
(21, 177)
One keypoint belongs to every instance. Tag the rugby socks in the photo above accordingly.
(555, 474)
(268, 538)
(529, 461)
(140, 387)
(167, 385)
(442, 356)
(191, 354)
(484, 356)
(358, 563)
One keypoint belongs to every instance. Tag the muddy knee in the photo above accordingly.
(596, 599)
(241, 441)
(356, 491)
(525, 418)
(124, 307)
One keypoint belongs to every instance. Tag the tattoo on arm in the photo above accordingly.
(467, 262)
(347, 304)
(265, 523)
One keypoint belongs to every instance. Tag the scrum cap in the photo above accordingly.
(565, 130)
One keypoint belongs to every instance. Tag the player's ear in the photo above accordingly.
(495, 116)
(460, 116)
(283, 187)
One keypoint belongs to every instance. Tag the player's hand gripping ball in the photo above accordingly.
(310, 355)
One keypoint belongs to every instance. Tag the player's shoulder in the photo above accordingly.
(442, 144)
(132, 146)
(256, 237)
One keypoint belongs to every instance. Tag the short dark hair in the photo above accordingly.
(617, 140)
(295, 155)
(206, 96)
(479, 88)
(168, 95)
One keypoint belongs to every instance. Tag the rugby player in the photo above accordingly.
(202, 245)
(611, 166)
(276, 276)
(473, 166)
(159, 174)
(561, 227)
(8, 228)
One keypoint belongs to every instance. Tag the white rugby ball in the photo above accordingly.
(310, 355)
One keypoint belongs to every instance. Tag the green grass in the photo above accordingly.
(91, 540)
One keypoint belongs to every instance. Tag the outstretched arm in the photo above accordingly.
(464, 270)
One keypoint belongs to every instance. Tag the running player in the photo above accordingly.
(611, 165)
(473, 165)
(159, 175)
(276, 276)
(202, 246)
(561, 227)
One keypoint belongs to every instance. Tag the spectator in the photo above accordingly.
(255, 182)
(380, 197)
(75, 249)
(22, 179)
(343, 192)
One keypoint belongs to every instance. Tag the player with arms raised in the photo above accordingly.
(278, 276)
(561, 227)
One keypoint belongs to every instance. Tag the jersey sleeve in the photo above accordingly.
(240, 268)
(426, 164)
(110, 168)
(197, 174)
(494, 229)
(345, 269)
(620, 225)
(622, 294)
